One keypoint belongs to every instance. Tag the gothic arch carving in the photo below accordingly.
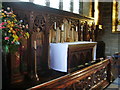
(39, 22)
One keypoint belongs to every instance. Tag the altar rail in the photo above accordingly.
(96, 76)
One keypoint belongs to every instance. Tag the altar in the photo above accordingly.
(66, 56)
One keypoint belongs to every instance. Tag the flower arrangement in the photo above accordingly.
(12, 30)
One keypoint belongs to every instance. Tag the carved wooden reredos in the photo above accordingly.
(49, 25)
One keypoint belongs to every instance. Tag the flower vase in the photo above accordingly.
(5, 66)
(16, 75)
(11, 65)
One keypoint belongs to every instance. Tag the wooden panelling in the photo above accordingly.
(41, 21)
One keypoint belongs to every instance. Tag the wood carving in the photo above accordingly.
(92, 35)
(51, 19)
(66, 23)
(94, 77)
(16, 75)
(39, 22)
(41, 26)
(39, 36)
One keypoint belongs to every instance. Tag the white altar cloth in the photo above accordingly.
(58, 54)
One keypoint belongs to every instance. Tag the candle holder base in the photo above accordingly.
(36, 78)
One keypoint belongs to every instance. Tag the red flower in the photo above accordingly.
(1, 25)
(7, 38)
(18, 38)
(12, 42)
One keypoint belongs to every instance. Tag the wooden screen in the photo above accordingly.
(46, 26)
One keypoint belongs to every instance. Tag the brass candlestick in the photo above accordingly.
(36, 75)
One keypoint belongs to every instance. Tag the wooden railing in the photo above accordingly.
(96, 76)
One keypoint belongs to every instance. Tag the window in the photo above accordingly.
(40, 2)
(118, 27)
(54, 4)
(76, 6)
(24, 0)
(66, 5)
(116, 16)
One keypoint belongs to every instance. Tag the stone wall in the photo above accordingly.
(112, 40)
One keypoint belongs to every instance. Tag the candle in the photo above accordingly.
(81, 28)
(35, 44)
(76, 28)
(90, 40)
(54, 25)
(62, 28)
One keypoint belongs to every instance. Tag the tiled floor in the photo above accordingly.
(115, 85)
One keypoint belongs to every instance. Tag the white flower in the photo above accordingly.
(8, 8)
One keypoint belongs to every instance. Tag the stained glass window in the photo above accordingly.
(116, 16)
(118, 27)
